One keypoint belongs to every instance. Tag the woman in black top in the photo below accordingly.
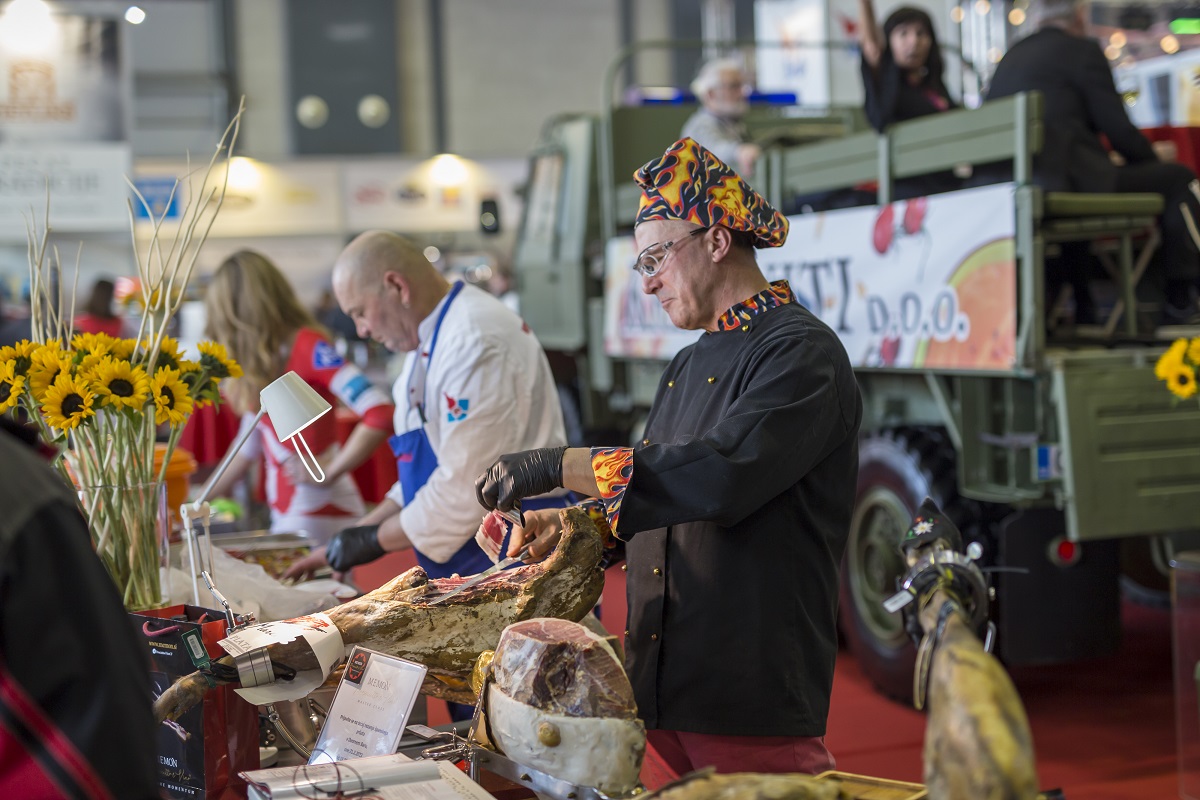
(902, 79)
(901, 66)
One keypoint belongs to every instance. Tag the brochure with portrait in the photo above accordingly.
(370, 708)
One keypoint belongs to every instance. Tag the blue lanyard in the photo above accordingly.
(437, 328)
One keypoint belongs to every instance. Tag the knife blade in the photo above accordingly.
(515, 515)
(521, 555)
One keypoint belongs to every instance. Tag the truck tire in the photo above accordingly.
(897, 469)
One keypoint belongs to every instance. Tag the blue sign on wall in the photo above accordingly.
(157, 193)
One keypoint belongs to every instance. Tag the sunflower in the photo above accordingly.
(169, 345)
(49, 363)
(1171, 359)
(215, 358)
(1193, 351)
(171, 400)
(123, 348)
(121, 384)
(168, 354)
(201, 386)
(88, 363)
(92, 343)
(20, 354)
(1182, 381)
(11, 385)
(68, 402)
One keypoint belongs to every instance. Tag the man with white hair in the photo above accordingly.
(1081, 103)
(722, 86)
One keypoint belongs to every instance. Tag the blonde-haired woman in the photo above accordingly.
(254, 312)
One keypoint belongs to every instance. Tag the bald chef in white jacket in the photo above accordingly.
(475, 385)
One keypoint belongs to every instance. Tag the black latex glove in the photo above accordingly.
(353, 546)
(516, 476)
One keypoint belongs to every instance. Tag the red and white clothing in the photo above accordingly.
(488, 391)
(86, 323)
(319, 510)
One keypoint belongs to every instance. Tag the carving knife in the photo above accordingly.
(521, 555)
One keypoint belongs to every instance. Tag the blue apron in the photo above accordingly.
(416, 461)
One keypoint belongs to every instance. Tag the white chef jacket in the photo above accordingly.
(489, 391)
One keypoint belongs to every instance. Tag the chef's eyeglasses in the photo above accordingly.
(650, 260)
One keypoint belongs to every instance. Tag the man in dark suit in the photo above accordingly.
(1081, 103)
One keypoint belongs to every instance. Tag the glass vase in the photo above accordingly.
(130, 525)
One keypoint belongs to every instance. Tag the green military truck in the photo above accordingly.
(1056, 450)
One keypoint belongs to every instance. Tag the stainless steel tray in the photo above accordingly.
(260, 540)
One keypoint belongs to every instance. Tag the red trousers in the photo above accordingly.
(682, 752)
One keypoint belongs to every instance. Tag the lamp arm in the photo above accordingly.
(226, 461)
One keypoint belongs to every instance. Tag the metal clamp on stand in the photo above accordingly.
(294, 742)
(960, 575)
(451, 747)
(254, 668)
(232, 620)
(547, 787)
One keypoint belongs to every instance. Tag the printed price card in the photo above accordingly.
(371, 707)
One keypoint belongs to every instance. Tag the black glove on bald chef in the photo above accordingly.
(353, 546)
(516, 476)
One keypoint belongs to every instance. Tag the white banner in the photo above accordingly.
(923, 283)
(435, 195)
(65, 95)
(86, 181)
(635, 326)
(291, 198)
(61, 77)
(795, 59)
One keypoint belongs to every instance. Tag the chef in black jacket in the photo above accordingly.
(1080, 102)
(736, 505)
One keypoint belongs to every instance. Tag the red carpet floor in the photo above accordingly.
(1103, 730)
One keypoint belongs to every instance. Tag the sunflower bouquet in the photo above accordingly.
(105, 403)
(1177, 367)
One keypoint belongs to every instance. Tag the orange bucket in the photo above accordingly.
(180, 468)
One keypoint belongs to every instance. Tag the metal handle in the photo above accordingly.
(287, 735)
(230, 618)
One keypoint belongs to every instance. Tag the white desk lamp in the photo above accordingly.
(292, 405)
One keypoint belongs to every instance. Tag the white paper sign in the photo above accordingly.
(316, 629)
(394, 777)
(371, 707)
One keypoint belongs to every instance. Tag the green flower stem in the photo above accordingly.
(113, 460)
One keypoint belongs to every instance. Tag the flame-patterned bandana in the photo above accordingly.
(691, 184)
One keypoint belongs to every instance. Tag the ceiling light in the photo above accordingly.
(448, 170)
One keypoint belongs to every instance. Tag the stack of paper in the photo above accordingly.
(394, 777)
